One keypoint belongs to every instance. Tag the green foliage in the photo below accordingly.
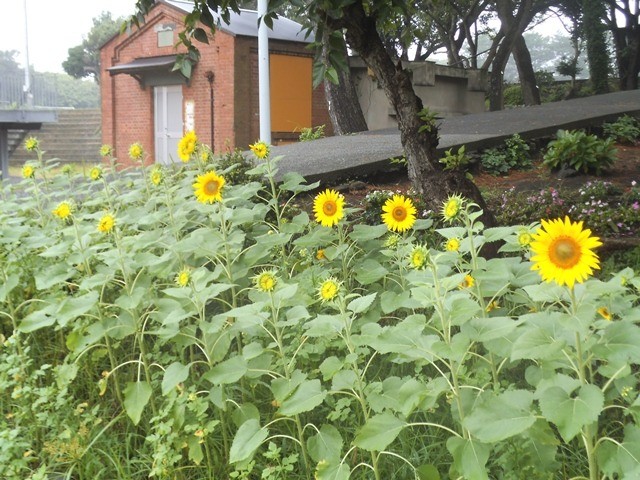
(456, 161)
(625, 129)
(309, 133)
(514, 155)
(428, 119)
(580, 151)
(234, 164)
(153, 350)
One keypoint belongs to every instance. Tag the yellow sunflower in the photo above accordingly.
(468, 282)
(28, 171)
(452, 207)
(183, 277)
(95, 173)
(106, 150)
(63, 210)
(328, 207)
(320, 254)
(260, 149)
(563, 252)
(136, 151)
(31, 144)
(208, 187)
(106, 223)
(156, 176)
(329, 289)
(605, 313)
(524, 238)
(418, 257)
(452, 245)
(187, 145)
(266, 281)
(399, 213)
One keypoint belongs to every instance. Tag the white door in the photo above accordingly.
(168, 122)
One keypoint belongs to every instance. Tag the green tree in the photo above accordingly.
(84, 59)
(623, 19)
(594, 30)
(359, 22)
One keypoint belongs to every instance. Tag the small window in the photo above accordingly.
(165, 38)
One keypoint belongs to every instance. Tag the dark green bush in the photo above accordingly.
(625, 129)
(581, 151)
(514, 154)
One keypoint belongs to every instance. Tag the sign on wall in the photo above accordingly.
(189, 115)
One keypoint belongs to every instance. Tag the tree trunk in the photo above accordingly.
(596, 45)
(627, 47)
(425, 171)
(530, 91)
(344, 109)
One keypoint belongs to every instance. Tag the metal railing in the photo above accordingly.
(44, 93)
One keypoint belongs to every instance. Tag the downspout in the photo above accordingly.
(210, 76)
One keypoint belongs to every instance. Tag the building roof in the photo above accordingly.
(246, 23)
(142, 65)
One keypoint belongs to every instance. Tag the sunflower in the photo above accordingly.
(106, 223)
(208, 187)
(452, 207)
(563, 252)
(156, 176)
(320, 254)
(452, 245)
(31, 144)
(106, 150)
(136, 151)
(329, 289)
(266, 281)
(260, 149)
(399, 213)
(63, 210)
(467, 282)
(95, 173)
(183, 277)
(187, 145)
(418, 257)
(524, 238)
(328, 207)
(28, 171)
(605, 313)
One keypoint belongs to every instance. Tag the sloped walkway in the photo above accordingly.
(368, 152)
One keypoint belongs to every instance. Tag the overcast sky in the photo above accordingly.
(54, 26)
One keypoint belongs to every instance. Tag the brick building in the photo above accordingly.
(144, 101)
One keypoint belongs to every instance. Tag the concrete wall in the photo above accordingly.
(448, 91)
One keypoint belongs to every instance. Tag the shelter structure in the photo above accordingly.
(145, 100)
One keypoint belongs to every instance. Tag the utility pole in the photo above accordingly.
(28, 96)
(263, 75)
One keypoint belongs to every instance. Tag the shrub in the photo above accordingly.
(625, 129)
(580, 151)
(513, 155)
(456, 161)
(235, 166)
(309, 133)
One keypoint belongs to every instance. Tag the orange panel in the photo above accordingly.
(291, 88)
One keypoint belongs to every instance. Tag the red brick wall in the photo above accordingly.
(128, 117)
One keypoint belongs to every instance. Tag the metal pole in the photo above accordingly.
(4, 153)
(27, 78)
(263, 75)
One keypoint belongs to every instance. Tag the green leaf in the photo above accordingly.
(136, 397)
(53, 275)
(485, 329)
(332, 471)
(570, 413)
(362, 233)
(369, 271)
(619, 343)
(195, 450)
(361, 304)
(324, 326)
(497, 417)
(379, 432)
(38, 319)
(229, 371)
(6, 287)
(174, 374)
(428, 472)
(469, 457)
(325, 445)
(622, 461)
(305, 398)
(536, 344)
(73, 307)
(244, 412)
(247, 440)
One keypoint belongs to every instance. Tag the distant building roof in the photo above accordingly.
(246, 24)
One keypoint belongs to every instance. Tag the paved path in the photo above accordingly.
(337, 157)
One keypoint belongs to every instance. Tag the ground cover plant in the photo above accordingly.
(168, 322)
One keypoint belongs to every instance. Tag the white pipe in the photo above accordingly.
(263, 76)
(27, 78)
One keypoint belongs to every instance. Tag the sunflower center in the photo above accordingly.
(211, 187)
(329, 207)
(399, 213)
(564, 252)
